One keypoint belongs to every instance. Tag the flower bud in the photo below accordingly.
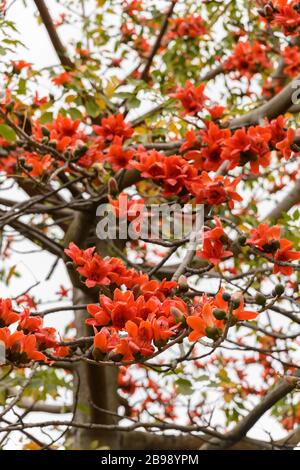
(113, 188)
(260, 299)
(226, 296)
(219, 314)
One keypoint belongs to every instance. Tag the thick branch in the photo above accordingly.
(157, 43)
(277, 105)
(55, 39)
(292, 198)
(281, 390)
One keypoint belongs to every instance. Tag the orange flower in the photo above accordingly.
(21, 348)
(117, 156)
(239, 313)
(265, 238)
(192, 98)
(214, 191)
(291, 56)
(114, 126)
(28, 323)
(285, 254)
(202, 321)
(141, 337)
(7, 314)
(19, 65)
(63, 78)
(161, 331)
(248, 59)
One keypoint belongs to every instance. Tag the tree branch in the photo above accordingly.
(55, 39)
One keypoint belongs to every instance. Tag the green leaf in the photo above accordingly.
(75, 113)
(8, 133)
(92, 108)
(22, 87)
(46, 117)
(183, 387)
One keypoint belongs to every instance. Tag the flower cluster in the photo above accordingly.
(30, 338)
(173, 171)
(282, 13)
(254, 145)
(215, 243)
(192, 97)
(291, 56)
(209, 315)
(191, 26)
(247, 59)
(63, 132)
(207, 149)
(214, 190)
(149, 313)
(267, 239)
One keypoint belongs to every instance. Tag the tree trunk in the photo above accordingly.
(97, 390)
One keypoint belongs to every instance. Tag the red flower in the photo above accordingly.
(286, 17)
(114, 126)
(27, 300)
(37, 165)
(19, 65)
(46, 338)
(191, 140)
(7, 314)
(248, 59)
(248, 146)
(101, 340)
(213, 245)
(212, 139)
(63, 78)
(64, 131)
(214, 191)
(159, 289)
(265, 238)
(101, 315)
(96, 271)
(28, 323)
(216, 112)
(191, 26)
(20, 348)
(285, 254)
(161, 331)
(213, 251)
(291, 56)
(63, 292)
(192, 98)
(285, 145)
(117, 311)
(37, 101)
(239, 313)
(125, 207)
(150, 164)
(140, 337)
(176, 172)
(271, 87)
(201, 321)
(132, 7)
(79, 256)
(117, 156)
